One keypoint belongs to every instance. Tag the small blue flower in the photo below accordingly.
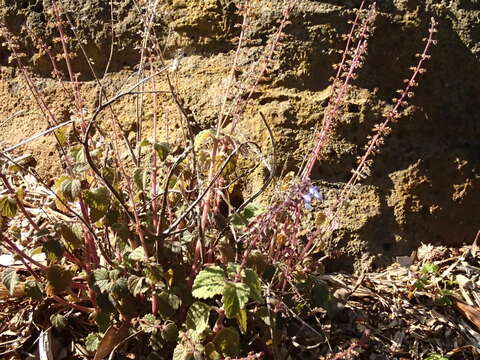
(315, 192)
(307, 198)
(308, 206)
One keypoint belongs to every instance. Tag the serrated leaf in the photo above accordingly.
(235, 297)
(71, 234)
(168, 304)
(138, 254)
(162, 150)
(149, 324)
(102, 279)
(92, 341)
(154, 274)
(227, 342)
(135, 284)
(98, 201)
(58, 321)
(182, 352)
(71, 189)
(59, 279)
(252, 210)
(197, 317)
(8, 206)
(209, 282)
(33, 289)
(140, 176)
(211, 352)
(53, 250)
(102, 320)
(57, 188)
(144, 142)
(242, 321)
(170, 332)
(253, 282)
(62, 135)
(10, 280)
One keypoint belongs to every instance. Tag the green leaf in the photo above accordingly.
(33, 289)
(138, 254)
(10, 280)
(59, 279)
(71, 189)
(197, 317)
(170, 332)
(211, 352)
(168, 304)
(92, 341)
(235, 297)
(182, 352)
(98, 201)
(71, 234)
(143, 143)
(429, 268)
(53, 250)
(227, 342)
(140, 177)
(57, 188)
(102, 279)
(162, 150)
(242, 321)
(253, 282)
(252, 210)
(149, 324)
(62, 135)
(8, 206)
(209, 282)
(154, 274)
(58, 321)
(135, 284)
(102, 319)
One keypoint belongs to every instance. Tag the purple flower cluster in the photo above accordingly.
(313, 193)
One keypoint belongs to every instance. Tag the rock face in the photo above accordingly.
(425, 183)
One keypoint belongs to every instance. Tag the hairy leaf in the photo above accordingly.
(59, 279)
(8, 206)
(58, 321)
(102, 279)
(209, 282)
(168, 304)
(162, 150)
(98, 201)
(227, 342)
(10, 280)
(182, 352)
(235, 297)
(242, 321)
(253, 282)
(33, 289)
(140, 177)
(53, 250)
(92, 341)
(138, 254)
(170, 332)
(149, 324)
(71, 234)
(135, 284)
(197, 317)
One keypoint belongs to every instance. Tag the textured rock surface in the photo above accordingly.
(425, 184)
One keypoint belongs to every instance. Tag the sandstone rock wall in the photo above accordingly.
(425, 184)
